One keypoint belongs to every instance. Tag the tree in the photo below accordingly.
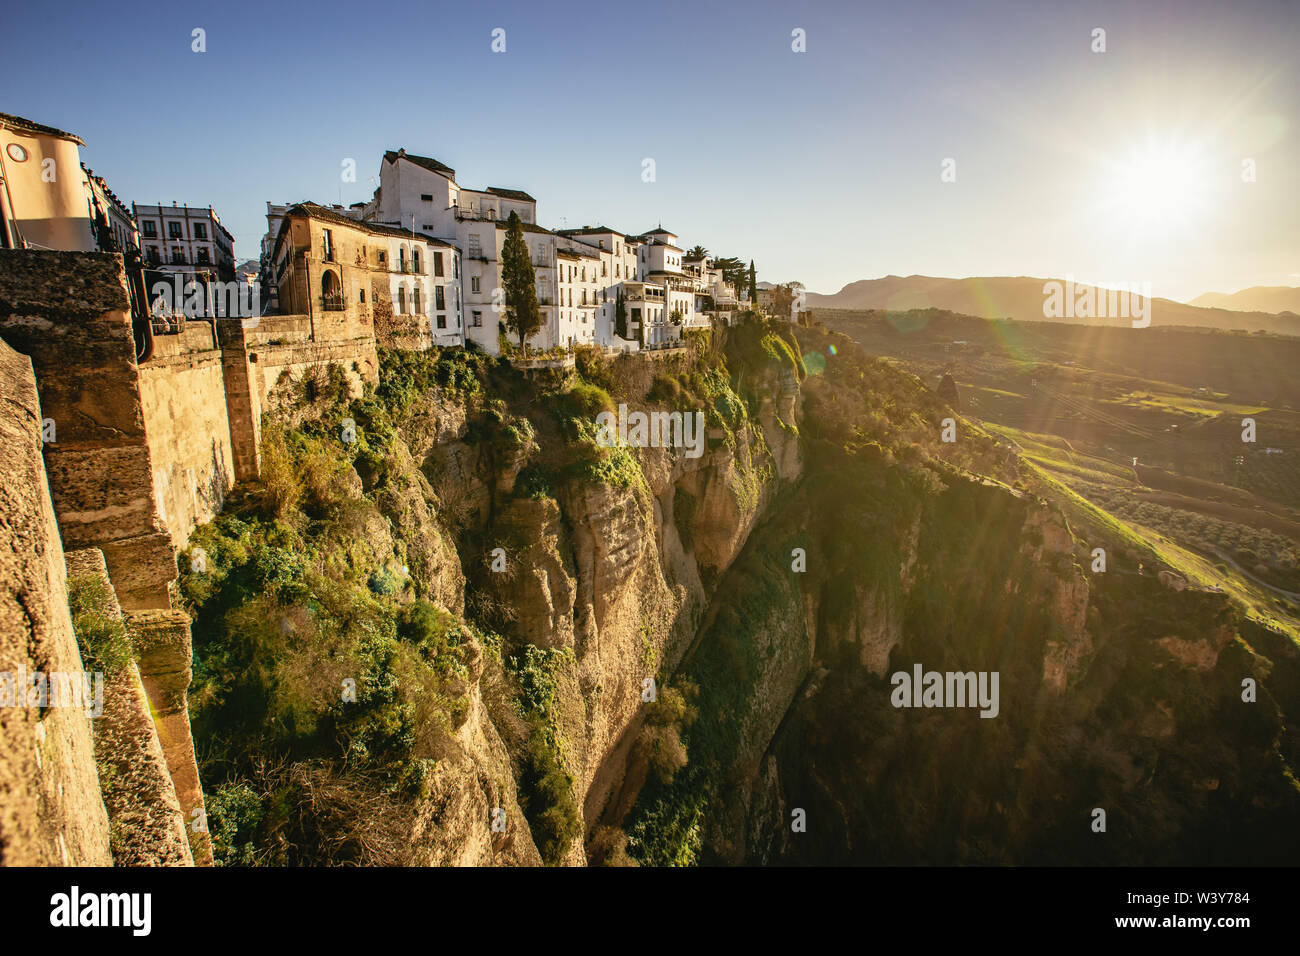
(753, 283)
(698, 252)
(523, 316)
(783, 300)
(733, 271)
(948, 392)
(620, 316)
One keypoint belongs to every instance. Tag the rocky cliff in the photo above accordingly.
(449, 625)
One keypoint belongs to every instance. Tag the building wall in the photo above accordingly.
(402, 184)
(50, 215)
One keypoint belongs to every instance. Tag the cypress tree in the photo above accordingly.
(523, 316)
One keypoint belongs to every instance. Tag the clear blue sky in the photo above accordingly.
(822, 166)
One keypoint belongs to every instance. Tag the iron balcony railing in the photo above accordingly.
(331, 303)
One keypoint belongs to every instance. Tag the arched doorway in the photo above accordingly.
(331, 293)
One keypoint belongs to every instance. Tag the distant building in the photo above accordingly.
(185, 239)
(353, 278)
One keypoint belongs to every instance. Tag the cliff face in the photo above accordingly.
(551, 644)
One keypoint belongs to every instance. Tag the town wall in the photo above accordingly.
(51, 811)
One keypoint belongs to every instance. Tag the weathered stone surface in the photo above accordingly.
(51, 812)
(148, 827)
(162, 641)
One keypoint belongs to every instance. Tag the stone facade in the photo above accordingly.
(136, 454)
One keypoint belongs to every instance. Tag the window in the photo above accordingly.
(415, 254)
(174, 230)
(154, 257)
(439, 298)
(328, 237)
(437, 264)
(363, 296)
(203, 256)
(476, 319)
(427, 197)
(455, 266)
(475, 250)
(149, 229)
(401, 300)
(401, 258)
(442, 321)
(418, 310)
(473, 284)
(200, 231)
(178, 256)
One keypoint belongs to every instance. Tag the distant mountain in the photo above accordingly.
(1022, 298)
(1260, 298)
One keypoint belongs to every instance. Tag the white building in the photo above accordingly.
(185, 239)
(581, 273)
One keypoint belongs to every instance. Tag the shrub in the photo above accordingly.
(585, 401)
(235, 813)
(281, 486)
(535, 481)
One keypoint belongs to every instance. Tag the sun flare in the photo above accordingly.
(1158, 188)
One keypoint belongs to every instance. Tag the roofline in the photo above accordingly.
(23, 125)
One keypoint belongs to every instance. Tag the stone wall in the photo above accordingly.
(184, 402)
(136, 455)
(51, 812)
(243, 401)
(70, 314)
(274, 367)
(147, 823)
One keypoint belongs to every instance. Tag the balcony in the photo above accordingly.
(331, 303)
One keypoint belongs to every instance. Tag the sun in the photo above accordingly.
(1157, 187)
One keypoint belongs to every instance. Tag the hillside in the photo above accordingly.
(1146, 423)
(1022, 298)
(1255, 299)
(826, 537)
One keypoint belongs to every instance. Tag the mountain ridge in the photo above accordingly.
(1023, 298)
